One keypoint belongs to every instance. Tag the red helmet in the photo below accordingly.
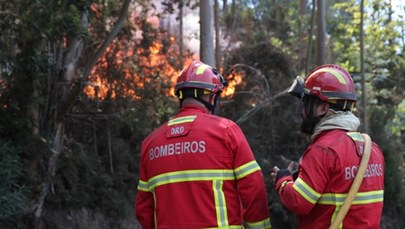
(200, 76)
(330, 82)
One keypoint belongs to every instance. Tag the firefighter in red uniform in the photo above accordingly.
(197, 170)
(328, 166)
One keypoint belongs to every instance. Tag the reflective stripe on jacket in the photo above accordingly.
(326, 172)
(198, 171)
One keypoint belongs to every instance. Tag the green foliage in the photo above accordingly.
(265, 21)
(85, 181)
(12, 194)
(98, 166)
(98, 169)
(396, 127)
(391, 147)
(271, 131)
(383, 66)
(384, 77)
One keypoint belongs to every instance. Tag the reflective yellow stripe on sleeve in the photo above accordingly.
(264, 224)
(143, 186)
(306, 191)
(246, 169)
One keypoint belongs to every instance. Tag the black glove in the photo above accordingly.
(282, 173)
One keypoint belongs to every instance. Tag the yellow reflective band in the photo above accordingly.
(246, 169)
(332, 97)
(335, 212)
(264, 224)
(228, 227)
(361, 198)
(143, 186)
(201, 69)
(190, 175)
(335, 73)
(306, 191)
(220, 203)
(207, 92)
(284, 183)
(355, 136)
(180, 120)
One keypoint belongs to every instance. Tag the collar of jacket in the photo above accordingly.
(197, 108)
(344, 120)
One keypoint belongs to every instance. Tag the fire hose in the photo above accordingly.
(356, 183)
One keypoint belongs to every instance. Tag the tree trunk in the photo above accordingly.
(363, 80)
(67, 97)
(207, 32)
(217, 36)
(181, 43)
(46, 184)
(310, 33)
(302, 50)
(320, 38)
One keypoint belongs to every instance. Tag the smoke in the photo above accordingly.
(191, 26)
(191, 32)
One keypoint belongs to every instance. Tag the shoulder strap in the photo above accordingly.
(356, 183)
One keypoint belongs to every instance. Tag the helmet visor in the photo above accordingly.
(297, 88)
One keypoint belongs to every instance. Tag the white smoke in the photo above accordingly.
(191, 26)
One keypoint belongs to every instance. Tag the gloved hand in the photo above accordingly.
(293, 167)
(290, 171)
(279, 173)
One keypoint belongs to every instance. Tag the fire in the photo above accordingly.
(129, 65)
(150, 64)
(234, 79)
(155, 48)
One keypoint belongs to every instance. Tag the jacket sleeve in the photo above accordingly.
(144, 202)
(250, 182)
(300, 196)
(144, 209)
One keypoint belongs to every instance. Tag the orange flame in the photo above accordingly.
(156, 62)
(234, 79)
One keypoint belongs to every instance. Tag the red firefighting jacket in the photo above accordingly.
(198, 171)
(326, 172)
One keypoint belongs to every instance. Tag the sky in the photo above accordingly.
(398, 6)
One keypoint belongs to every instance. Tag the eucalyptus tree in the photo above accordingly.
(383, 71)
(42, 72)
(279, 27)
(207, 54)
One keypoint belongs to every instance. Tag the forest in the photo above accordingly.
(83, 82)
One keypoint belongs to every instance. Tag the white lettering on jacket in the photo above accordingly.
(373, 170)
(177, 130)
(177, 149)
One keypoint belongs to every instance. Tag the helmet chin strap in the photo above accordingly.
(208, 105)
(309, 123)
(198, 95)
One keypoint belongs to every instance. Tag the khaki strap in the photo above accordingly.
(356, 183)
